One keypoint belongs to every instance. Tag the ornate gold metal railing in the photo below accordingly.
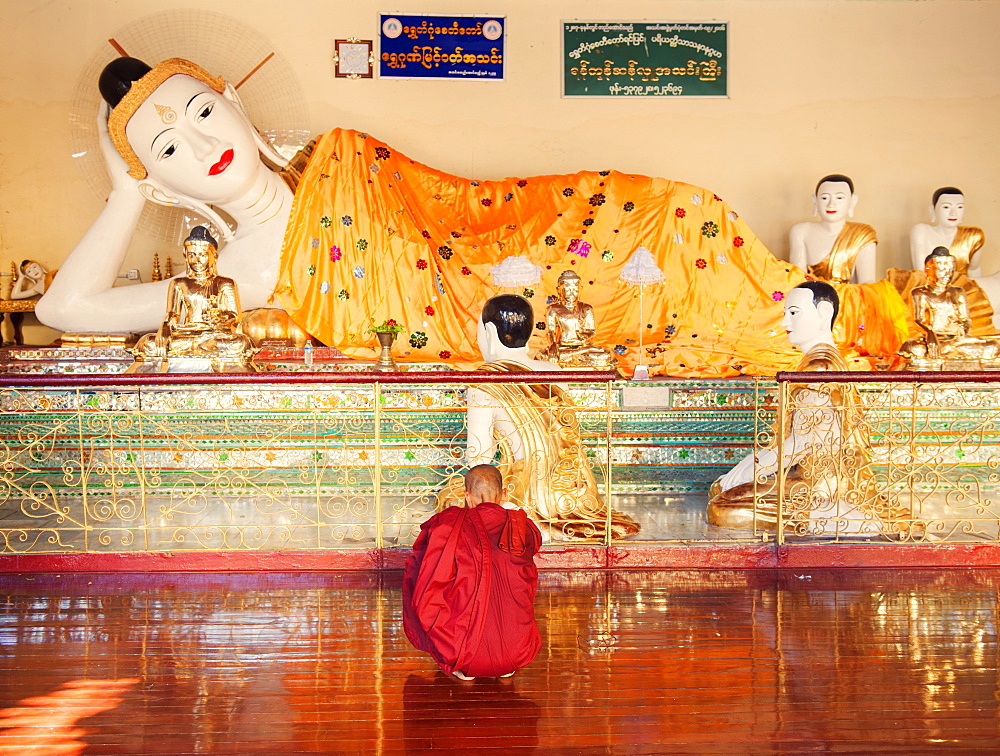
(174, 463)
(877, 458)
(101, 464)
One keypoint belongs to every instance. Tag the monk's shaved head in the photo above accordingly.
(483, 483)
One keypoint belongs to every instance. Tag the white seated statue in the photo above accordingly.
(834, 249)
(534, 428)
(947, 211)
(827, 487)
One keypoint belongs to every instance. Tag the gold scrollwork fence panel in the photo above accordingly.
(138, 465)
(900, 458)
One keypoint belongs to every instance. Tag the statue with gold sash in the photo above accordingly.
(835, 249)
(825, 452)
(963, 242)
(544, 463)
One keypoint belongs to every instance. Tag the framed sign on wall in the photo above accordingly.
(353, 58)
(644, 59)
(441, 47)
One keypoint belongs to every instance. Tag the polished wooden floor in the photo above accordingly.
(712, 662)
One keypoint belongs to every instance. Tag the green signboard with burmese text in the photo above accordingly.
(644, 59)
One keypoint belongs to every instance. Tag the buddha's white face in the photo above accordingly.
(194, 141)
(834, 201)
(803, 322)
(949, 210)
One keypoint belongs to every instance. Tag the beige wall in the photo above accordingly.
(900, 95)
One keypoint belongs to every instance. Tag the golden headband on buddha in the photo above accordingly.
(138, 93)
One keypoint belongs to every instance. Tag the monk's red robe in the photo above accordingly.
(469, 590)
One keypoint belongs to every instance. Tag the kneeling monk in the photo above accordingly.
(469, 587)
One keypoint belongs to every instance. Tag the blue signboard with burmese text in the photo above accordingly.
(441, 47)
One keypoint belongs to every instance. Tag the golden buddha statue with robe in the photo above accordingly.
(570, 325)
(534, 427)
(947, 211)
(942, 313)
(200, 330)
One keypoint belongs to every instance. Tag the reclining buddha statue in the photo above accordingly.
(370, 234)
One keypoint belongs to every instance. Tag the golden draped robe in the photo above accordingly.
(968, 241)
(375, 235)
(838, 266)
(835, 476)
(553, 481)
(873, 317)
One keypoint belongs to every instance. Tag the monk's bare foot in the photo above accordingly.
(462, 676)
(509, 674)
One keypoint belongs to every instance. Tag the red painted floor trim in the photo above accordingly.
(631, 557)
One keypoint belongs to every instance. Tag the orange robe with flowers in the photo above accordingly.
(375, 235)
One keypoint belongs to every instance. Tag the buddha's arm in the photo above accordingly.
(962, 309)
(865, 264)
(588, 324)
(814, 425)
(480, 445)
(18, 290)
(229, 304)
(175, 310)
(919, 245)
(797, 254)
(552, 329)
(922, 314)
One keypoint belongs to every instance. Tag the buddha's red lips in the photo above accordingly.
(224, 161)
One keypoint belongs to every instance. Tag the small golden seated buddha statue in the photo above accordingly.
(570, 326)
(942, 312)
(199, 332)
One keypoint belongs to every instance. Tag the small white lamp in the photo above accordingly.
(641, 270)
(515, 272)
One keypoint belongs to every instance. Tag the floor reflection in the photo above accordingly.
(714, 660)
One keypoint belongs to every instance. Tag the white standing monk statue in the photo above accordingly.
(544, 463)
(947, 211)
(176, 136)
(835, 249)
(825, 451)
